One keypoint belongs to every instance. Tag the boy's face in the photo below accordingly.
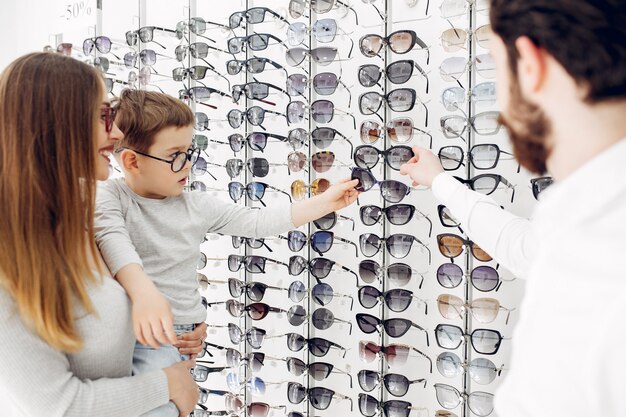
(157, 178)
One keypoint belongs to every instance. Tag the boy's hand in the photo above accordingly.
(153, 322)
(340, 195)
(423, 167)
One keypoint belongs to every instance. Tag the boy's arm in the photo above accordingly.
(152, 316)
(237, 220)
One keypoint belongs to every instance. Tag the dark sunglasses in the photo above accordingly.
(252, 263)
(487, 183)
(484, 278)
(256, 311)
(400, 42)
(398, 72)
(254, 290)
(107, 115)
(319, 397)
(328, 221)
(398, 245)
(397, 273)
(540, 184)
(317, 370)
(370, 406)
(396, 214)
(258, 167)
(324, 84)
(257, 141)
(255, 116)
(451, 246)
(395, 354)
(200, 93)
(398, 100)
(396, 327)
(319, 267)
(317, 346)
(200, 373)
(254, 65)
(395, 384)
(197, 50)
(101, 43)
(397, 300)
(446, 218)
(484, 341)
(256, 42)
(320, 241)
(255, 91)
(251, 242)
(399, 130)
(391, 191)
(367, 156)
(254, 190)
(145, 34)
(321, 293)
(322, 318)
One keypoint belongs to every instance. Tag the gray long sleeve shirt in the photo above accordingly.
(37, 380)
(164, 236)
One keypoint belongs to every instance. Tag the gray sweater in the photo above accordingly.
(166, 235)
(39, 381)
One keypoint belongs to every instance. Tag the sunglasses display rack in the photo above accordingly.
(371, 310)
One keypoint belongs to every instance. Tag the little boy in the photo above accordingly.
(149, 231)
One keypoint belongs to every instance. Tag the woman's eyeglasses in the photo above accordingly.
(400, 42)
(395, 354)
(391, 191)
(484, 341)
(397, 299)
(319, 397)
(397, 273)
(107, 115)
(398, 72)
(398, 245)
(367, 156)
(484, 278)
(396, 327)
(395, 384)
(479, 402)
(396, 214)
(398, 100)
(252, 263)
(399, 130)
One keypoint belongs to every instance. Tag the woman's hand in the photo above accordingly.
(191, 343)
(183, 390)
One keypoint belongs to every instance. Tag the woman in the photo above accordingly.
(66, 338)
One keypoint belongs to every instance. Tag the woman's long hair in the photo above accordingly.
(49, 112)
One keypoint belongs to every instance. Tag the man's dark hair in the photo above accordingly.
(587, 37)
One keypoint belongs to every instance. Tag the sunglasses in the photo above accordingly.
(483, 156)
(252, 15)
(455, 39)
(481, 370)
(397, 300)
(101, 43)
(109, 82)
(198, 50)
(324, 84)
(398, 273)
(395, 354)
(257, 141)
(321, 111)
(256, 311)
(145, 34)
(367, 156)
(254, 290)
(318, 267)
(107, 115)
(328, 221)
(396, 214)
(299, 188)
(298, 7)
(255, 116)
(256, 42)
(391, 191)
(319, 397)
(322, 56)
(317, 346)
(147, 57)
(396, 327)
(320, 241)
(487, 183)
(400, 42)
(398, 100)
(254, 65)
(400, 130)
(255, 91)
(254, 190)
(540, 184)
(370, 407)
(484, 278)
(395, 384)
(398, 72)
(485, 123)
(451, 246)
(254, 335)
(321, 293)
(197, 26)
(480, 403)
(258, 167)
(398, 245)
(451, 69)
(200, 373)
(252, 263)
(320, 161)
(319, 371)
(453, 98)
(322, 137)
(446, 218)
(196, 72)
(484, 310)
(200, 93)
(484, 341)
(322, 318)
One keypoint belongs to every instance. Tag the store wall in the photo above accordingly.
(118, 16)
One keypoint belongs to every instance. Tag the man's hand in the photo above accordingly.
(191, 343)
(423, 167)
(153, 322)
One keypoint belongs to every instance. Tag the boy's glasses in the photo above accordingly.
(178, 161)
(107, 115)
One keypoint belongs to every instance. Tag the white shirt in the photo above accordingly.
(569, 347)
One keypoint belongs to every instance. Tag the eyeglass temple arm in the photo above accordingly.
(281, 191)
(426, 356)
(417, 326)
(425, 247)
(277, 262)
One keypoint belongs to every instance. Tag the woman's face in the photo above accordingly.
(105, 141)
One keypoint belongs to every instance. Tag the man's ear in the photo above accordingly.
(128, 161)
(531, 66)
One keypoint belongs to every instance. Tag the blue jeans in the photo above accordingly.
(147, 359)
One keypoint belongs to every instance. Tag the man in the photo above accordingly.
(561, 79)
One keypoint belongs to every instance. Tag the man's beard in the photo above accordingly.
(528, 128)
